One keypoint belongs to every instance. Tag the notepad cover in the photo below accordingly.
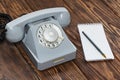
(97, 35)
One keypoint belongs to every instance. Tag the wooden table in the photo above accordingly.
(16, 65)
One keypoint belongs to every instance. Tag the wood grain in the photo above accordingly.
(16, 65)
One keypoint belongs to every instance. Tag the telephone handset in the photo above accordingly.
(16, 27)
(43, 37)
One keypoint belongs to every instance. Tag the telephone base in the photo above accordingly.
(48, 64)
(45, 57)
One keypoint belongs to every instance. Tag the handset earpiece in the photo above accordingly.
(63, 19)
(14, 34)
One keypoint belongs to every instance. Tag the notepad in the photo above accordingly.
(96, 33)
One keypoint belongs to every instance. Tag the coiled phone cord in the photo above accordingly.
(4, 19)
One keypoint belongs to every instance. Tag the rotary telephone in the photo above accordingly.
(43, 37)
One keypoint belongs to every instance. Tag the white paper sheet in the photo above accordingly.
(96, 33)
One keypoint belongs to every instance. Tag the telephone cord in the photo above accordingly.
(4, 19)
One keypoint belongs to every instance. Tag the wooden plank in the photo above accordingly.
(114, 5)
(12, 65)
(104, 12)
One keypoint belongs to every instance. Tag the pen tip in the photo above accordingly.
(104, 55)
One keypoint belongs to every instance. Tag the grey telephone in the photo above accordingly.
(43, 37)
